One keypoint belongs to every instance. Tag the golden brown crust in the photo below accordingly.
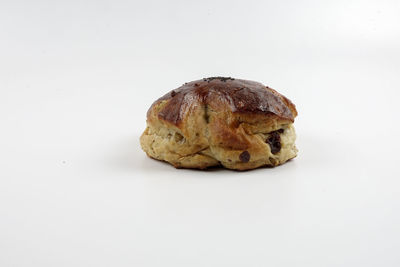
(241, 96)
(239, 124)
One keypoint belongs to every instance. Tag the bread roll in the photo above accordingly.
(238, 124)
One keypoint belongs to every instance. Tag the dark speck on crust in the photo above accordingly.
(222, 79)
(173, 93)
(244, 156)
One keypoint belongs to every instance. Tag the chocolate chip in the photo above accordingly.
(244, 156)
(274, 141)
(173, 93)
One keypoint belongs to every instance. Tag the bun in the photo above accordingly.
(238, 124)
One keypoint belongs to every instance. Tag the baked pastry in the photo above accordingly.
(238, 124)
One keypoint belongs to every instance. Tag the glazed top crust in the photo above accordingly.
(241, 96)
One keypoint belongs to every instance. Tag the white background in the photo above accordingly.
(76, 80)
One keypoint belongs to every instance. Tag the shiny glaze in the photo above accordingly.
(242, 96)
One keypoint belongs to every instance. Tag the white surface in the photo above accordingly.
(77, 77)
